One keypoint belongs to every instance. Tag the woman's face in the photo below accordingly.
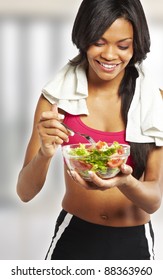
(109, 56)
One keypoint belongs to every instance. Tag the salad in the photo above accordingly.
(103, 159)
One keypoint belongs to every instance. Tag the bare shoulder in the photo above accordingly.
(161, 91)
(42, 105)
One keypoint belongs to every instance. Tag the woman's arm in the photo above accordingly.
(146, 193)
(41, 148)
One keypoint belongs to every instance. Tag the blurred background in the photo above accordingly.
(35, 42)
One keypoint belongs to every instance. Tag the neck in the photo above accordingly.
(109, 87)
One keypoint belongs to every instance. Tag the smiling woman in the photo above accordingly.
(109, 56)
(102, 92)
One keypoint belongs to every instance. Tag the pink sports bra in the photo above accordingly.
(77, 125)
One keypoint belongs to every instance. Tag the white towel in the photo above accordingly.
(69, 89)
(145, 116)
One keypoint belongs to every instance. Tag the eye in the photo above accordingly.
(123, 47)
(99, 43)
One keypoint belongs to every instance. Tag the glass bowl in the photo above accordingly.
(102, 158)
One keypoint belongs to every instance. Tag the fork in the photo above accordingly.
(89, 138)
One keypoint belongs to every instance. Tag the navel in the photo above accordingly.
(104, 217)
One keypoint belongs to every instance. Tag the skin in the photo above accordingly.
(122, 200)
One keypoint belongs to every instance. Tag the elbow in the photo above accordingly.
(23, 197)
(22, 189)
(151, 210)
(154, 202)
(19, 190)
(22, 194)
(153, 207)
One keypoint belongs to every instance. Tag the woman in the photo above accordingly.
(98, 93)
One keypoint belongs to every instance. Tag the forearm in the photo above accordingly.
(32, 177)
(144, 194)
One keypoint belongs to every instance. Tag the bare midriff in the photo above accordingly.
(109, 207)
(105, 207)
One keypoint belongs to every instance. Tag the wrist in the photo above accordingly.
(130, 182)
(44, 156)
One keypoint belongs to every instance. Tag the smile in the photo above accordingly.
(108, 66)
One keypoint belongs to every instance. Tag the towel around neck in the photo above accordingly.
(69, 90)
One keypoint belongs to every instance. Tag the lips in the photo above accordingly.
(108, 66)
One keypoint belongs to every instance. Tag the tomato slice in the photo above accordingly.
(113, 163)
(81, 165)
(100, 144)
(120, 150)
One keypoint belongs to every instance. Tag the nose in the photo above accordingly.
(109, 53)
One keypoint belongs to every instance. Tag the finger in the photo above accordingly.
(53, 114)
(126, 169)
(54, 109)
(54, 128)
(77, 178)
(70, 173)
(58, 140)
(46, 132)
(51, 141)
(102, 183)
(51, 123)
(86, 184)
(59, 134)
(48, 115)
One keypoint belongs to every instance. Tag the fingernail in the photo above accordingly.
(71, 133)
(72, 173)
(124, 166)
(69, 171)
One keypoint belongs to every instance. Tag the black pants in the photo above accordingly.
(76, 239)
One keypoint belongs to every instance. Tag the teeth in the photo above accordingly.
(109, 66)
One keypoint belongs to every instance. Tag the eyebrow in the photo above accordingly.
(125, 40)
(119, 41)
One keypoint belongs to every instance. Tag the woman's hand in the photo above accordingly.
(103, 184)
(48, 133)
(51, 132)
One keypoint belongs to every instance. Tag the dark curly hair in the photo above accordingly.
(94, 17)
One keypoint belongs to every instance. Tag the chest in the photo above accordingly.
(104, 114)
